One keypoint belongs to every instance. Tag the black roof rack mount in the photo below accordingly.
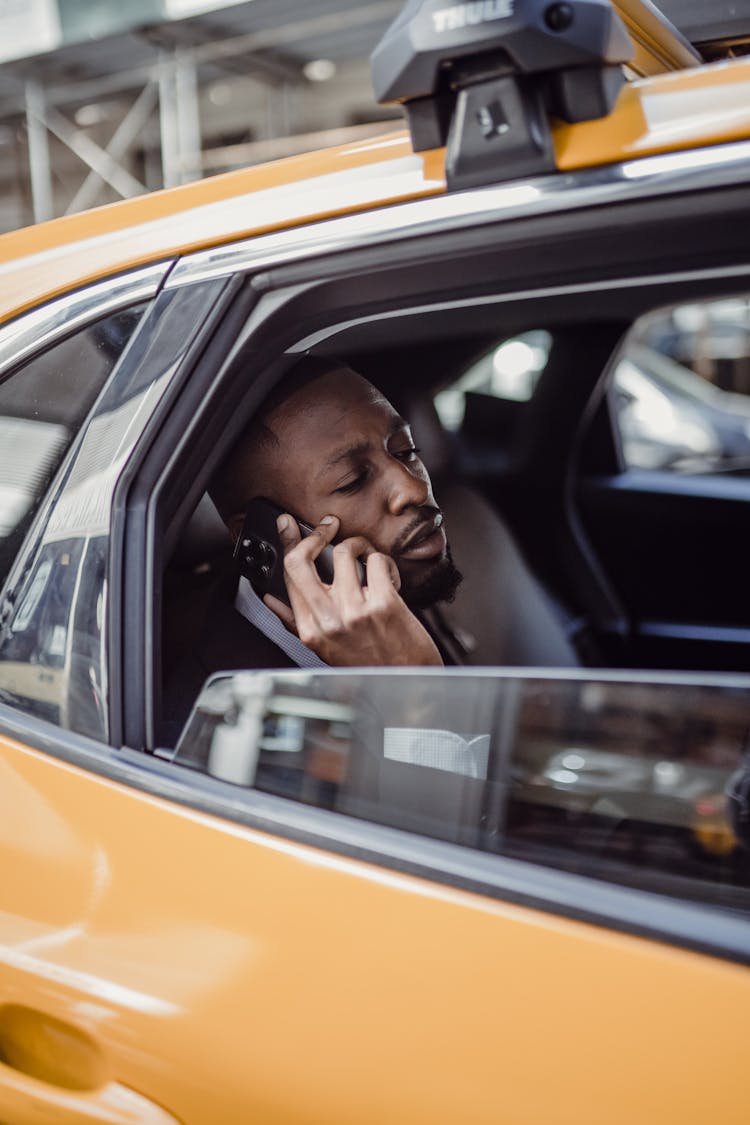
(484, 76)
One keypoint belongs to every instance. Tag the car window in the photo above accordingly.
(681, 391)
(509, 371)
(641, 782)
(42, 405)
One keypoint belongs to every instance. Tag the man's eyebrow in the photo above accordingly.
(346, 454)
(359, 449)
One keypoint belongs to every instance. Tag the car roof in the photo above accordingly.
(703, 105)
(39, 262)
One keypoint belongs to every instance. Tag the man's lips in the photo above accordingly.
(426, 542)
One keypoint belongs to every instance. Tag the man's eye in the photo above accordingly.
(353, 485)
(409, 454)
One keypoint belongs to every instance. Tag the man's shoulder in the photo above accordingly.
(228, 641)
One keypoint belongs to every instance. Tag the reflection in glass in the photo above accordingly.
(51, 616)
(54, 641)
(42, 406)
(628, 781)
(682, 389)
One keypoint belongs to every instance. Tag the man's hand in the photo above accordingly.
(345, 623)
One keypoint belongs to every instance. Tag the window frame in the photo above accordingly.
(317, 264)
(313, 291)
(305, 275)
(33, 335)
(40, 328)
(645, 913)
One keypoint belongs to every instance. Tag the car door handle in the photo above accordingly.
(51, 1070)
(27, 1101)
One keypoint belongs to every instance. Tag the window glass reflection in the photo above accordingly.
(52, 613)
(42, 406)
(682, 389)
(635, 782)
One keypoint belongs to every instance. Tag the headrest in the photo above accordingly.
(430, 435)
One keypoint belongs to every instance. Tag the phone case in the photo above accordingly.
(259, 554)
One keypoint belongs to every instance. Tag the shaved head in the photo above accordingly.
(252, 467)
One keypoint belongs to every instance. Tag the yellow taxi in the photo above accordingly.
(511, 890)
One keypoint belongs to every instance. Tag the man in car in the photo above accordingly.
(328, 448)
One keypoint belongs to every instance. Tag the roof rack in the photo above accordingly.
(483, 77)
(659, 46)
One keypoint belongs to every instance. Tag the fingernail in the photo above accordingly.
(282, 523)
(328, 519)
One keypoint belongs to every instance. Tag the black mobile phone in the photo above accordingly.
(259, 555)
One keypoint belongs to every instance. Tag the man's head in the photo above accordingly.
(329, 443)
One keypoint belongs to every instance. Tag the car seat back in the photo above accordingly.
(501, 613)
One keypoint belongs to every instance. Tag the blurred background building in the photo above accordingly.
(105, 99)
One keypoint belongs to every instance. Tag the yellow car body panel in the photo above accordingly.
(39, 262)
(670, 112)
(299, 985)
(688, 109)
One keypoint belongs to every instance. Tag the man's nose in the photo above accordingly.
(406, 489)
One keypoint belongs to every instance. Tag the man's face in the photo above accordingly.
(344, 451)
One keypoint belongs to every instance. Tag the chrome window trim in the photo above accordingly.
(37, 329)
(646, 177)
(679, 677)
(718, 273)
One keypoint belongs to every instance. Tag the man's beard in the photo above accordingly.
(434, 582)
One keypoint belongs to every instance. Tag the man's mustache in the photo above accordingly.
(427, 520)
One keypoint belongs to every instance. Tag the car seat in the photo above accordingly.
(501, 613)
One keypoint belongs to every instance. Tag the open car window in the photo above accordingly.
(514, 378)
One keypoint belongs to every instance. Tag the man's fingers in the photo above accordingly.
(307, 593)
(347, 583)
(310, 547)
(289, 532)
(382, 573)
(357, 547)
(319, 609)
(282, 611)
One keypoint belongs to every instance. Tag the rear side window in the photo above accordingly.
(509, 373)
(681, 390)
(42, 406)
(640, 783)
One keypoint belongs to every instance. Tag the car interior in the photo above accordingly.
(569, 556)
(507, 613)
(574, 556)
